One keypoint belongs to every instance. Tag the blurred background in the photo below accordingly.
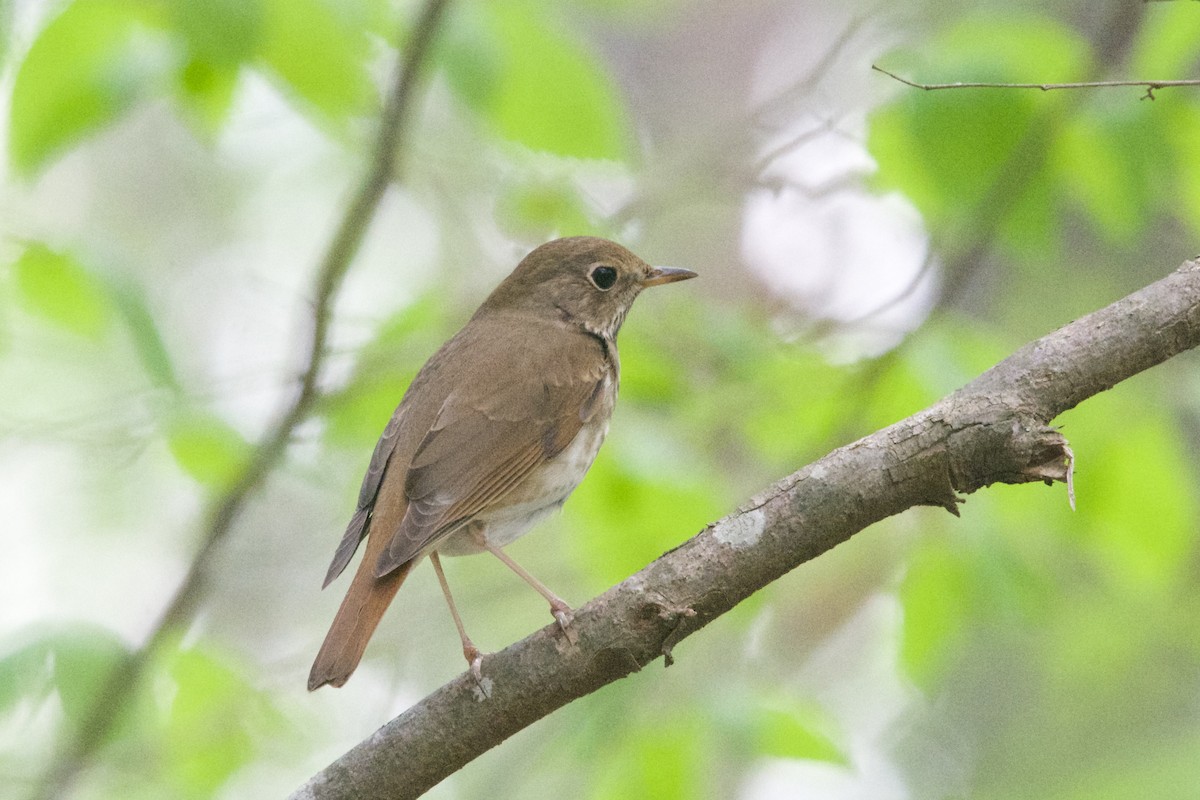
(173, 171)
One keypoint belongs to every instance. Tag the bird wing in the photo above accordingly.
(367, 493)
(481, 447)
(469, 430)
(394, 449)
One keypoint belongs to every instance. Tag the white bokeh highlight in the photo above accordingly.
(835, 252)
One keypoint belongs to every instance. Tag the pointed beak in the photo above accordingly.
(660, 275)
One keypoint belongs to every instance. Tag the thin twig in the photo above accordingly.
(733, 140)
(1151, 86)
(814, 76)
(126, 676)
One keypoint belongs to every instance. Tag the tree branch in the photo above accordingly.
(126, 676)
(1151, 86)
(993, 430)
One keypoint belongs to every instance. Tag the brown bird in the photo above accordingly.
(494, 433)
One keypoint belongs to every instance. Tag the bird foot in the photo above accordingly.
(565, 617)
(475, 660)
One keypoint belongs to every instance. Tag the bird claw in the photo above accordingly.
(475, 660)
(565, 618)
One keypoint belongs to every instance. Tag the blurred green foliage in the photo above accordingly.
(1050, 654)
(1058, 642)
(70, 661)
(206, 448)
(549, 94)
(57, 288)
(958, 154)
(784, 732)
(318, 54)
(86, 67)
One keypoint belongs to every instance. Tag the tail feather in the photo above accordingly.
(366, 600)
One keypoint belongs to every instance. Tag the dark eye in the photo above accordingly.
(603, 277)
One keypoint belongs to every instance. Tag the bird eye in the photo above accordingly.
(603, 277)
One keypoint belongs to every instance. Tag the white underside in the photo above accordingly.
(546, 491)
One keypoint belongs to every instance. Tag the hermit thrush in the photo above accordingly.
(495, 431)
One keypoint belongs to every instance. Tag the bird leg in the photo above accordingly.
(558, 607)
(470, 651)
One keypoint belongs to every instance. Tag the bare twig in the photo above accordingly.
(993, 430)
(1151, 86)
(734, 138)
(125, 677)
(814, 76)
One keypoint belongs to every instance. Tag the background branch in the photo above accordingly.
(1151, 86)
(126, 676)
(993, 430)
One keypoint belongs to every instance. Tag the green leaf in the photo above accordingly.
(550, 94)
(221, 32)
(1187, 163)
(796, 733)
(206, 448)
(84, 658)
(206, 89)
(85, 68)
(24, 667)
(946, 150)
(358, 415)
(57, 288)
(221, 36)
(666, 760)
(622, 520)
(208, 735)
(935, 594)
(1168, 39)
(472, 58)
(74, 659)
(1140, 512)
(544, 211)
(1096, 169)
(1082, 655)
(1140, 767)
(386, 366)
(1123, 160)
(319, 56)
(650, 373)
(1026, 46)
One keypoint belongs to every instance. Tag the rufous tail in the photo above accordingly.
(366, 600)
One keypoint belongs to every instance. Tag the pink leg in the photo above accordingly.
(470, 651)
(559, 608)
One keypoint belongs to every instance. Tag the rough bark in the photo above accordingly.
(993, 430)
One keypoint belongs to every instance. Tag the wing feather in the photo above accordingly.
(470, 430)
(466, 465)
(357, 529)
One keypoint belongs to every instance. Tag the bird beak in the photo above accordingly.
(660, 275)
